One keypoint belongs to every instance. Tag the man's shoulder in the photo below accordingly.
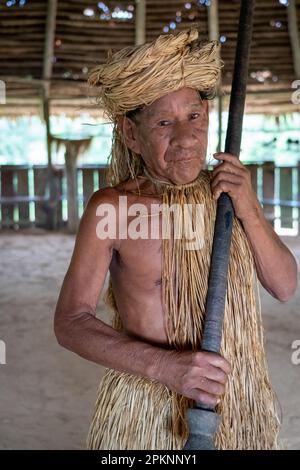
(107, 195)
(111, 194)
(101, 204)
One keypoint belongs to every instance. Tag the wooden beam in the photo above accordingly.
(213, 31)
(47, 68)
(140, 22)
(49, 41)
(26, 80)
(294, 35)
(213, 21)
(45, 92)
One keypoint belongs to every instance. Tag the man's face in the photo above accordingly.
(171, 136)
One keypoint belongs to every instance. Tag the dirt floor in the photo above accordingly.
(47, 393)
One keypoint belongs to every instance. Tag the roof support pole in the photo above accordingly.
(47, 72)
(294, 35)
(140, 22)
(214, 34)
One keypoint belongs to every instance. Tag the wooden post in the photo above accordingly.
(213, 21)
(7, 190)
(88, 184)
(140, 22)
(58, 186)
(253, 173)
(102, 178)
(47, 72)
(213, 30)
(73, 148)
(23, 190)
(71, 155)
(286, 194)
(269, 190)
(49, 45)
(41, 209)
(294, 35)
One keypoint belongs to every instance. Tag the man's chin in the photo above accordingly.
(186, 173)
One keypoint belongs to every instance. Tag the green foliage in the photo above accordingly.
(23, 140)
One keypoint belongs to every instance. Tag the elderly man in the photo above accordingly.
(157, 96)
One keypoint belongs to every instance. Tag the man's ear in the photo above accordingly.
(129, 131)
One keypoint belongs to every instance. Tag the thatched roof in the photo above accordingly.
(84, 30)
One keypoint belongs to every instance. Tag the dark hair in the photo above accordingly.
(204, 95)
(133, 115)
(208, 94)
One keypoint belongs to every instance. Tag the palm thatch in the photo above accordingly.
(85, 30)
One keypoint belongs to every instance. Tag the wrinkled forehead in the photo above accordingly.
(180, 100)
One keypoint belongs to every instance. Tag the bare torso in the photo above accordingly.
(136, 272)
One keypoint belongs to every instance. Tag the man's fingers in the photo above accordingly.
(216, 374)
(227, 157)
(205, 398)
(224, 177)
(228, 167)
(210, 386)
(227, 187)
(213, 359)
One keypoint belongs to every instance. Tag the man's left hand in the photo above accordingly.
(233, 178)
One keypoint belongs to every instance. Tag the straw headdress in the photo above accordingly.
(137, 76)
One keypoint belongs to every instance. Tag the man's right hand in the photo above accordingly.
(198, 375)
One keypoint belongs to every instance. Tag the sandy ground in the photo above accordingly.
(47, 393)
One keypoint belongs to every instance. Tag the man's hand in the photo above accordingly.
(233, 178)
(198, 375)
(275, 265)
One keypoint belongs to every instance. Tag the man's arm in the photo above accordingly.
(200, 376)
(75, 324)
(276, 266)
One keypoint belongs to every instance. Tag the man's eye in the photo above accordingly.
(163, 123)
(195, 115)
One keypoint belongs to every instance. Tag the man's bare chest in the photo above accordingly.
(139, 261)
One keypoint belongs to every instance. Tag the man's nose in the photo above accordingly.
(183, 135)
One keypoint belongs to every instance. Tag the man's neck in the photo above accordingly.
(164, 182)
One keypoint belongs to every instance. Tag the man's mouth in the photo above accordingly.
(182, 158)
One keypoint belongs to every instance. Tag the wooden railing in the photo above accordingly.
(24, 200)
(278, 189)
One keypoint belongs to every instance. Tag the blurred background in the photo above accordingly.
(54, 145)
